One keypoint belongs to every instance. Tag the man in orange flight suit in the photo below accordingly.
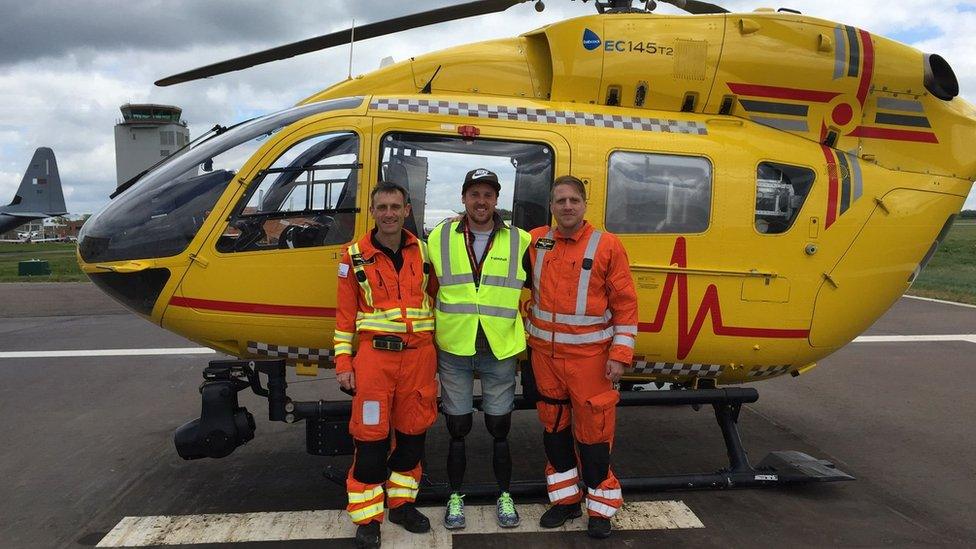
(582, 328)
(384, 296)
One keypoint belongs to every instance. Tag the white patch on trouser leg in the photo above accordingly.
(371, 412)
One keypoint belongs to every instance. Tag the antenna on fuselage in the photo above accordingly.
(352, 42)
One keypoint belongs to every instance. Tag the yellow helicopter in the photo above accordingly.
(778, 181)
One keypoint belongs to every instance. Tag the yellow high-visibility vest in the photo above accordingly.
(494, 301)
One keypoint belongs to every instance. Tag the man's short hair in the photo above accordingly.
(570, 180)
(388, 187)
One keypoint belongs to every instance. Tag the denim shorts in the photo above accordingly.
(456, 375)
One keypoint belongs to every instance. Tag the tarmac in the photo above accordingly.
(88, 456)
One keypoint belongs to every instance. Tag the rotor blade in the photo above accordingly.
(696, 8)
(372, 30)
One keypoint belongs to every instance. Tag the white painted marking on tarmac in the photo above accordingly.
(915, 338)
(205, 351)
(335, 524)
(108, 352)
(944, 302)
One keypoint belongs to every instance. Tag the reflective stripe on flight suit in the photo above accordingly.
(392, 320)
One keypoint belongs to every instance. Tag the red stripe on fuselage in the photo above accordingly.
(783, 93)
(832, 191)
(894, 135)
(254, 308)
(867, 66)
(687, 336)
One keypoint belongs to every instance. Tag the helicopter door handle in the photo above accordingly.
(830, 279)
(197, 259)
(129, 267)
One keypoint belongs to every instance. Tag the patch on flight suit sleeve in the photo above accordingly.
(545, 244)
(343, 270)
(371, 412)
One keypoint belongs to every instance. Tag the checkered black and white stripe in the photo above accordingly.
(303, 354)
(677, 369)
(542, 116)
(770, 371)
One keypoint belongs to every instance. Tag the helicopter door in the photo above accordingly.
(432, 166)
(274, 261)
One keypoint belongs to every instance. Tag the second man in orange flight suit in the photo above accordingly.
(582, 328)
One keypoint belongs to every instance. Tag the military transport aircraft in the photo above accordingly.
(39, 195)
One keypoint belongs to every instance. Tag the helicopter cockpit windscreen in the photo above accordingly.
(161, 213)
(306, 198)
(432, 168)
(658, 193)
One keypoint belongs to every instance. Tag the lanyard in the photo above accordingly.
(469, 246)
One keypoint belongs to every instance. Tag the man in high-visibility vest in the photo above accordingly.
(480, 268)
(582, 329)
(385, 296)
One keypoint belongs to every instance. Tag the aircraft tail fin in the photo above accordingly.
(40, 190)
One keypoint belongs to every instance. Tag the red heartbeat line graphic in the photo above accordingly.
(709, 304)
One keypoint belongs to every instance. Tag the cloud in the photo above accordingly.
(66, 67)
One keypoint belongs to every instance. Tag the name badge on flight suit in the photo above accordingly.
(545, 244)
(358, 260)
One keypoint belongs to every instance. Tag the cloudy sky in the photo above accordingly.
(67, 66)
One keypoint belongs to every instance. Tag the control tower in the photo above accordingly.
(146, 134)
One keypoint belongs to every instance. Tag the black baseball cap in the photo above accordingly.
(481, 175)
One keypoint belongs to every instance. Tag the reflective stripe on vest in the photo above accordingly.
(448, 278)
(473, 309)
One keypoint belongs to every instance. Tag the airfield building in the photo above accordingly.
(147, 134)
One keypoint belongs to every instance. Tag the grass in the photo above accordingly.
(60, 255)
(951, 275)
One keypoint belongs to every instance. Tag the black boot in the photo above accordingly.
(599, 528)
(368, 535)
(410, 518)
(557, 515)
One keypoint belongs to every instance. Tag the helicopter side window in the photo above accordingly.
(658, 193)
(781, 190)
(432, 167)
(306, 198)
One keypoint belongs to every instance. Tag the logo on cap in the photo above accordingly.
(591, 40)
(478, 174)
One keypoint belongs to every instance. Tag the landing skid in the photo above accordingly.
(327, 435)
